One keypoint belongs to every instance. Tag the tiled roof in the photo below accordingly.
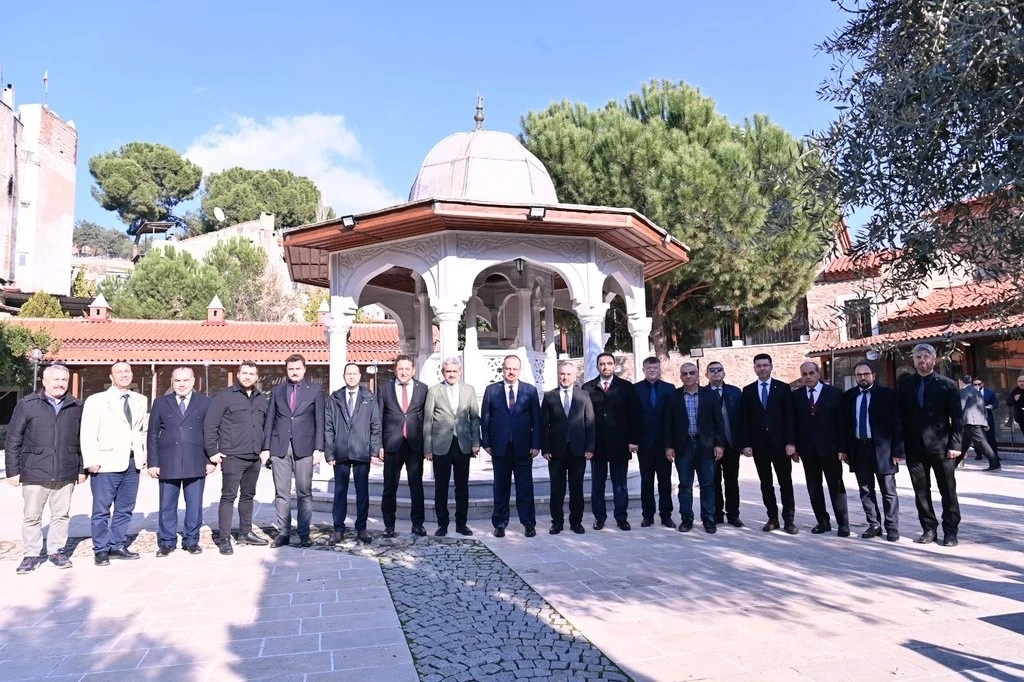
(851, 267)
(193, 342)
(963, 297)
(925, 333)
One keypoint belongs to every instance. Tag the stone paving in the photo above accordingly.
(649, 604)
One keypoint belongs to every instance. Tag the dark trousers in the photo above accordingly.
(120, 489)
(600, 470)
(727, 477)
(239, 476)
(975, 436)
(990, 435)
(921, 468)
(654, 464)
(505, 468)
(571, 470)
(170, 492)
(866, 468)
(765, 459)
(689, 460)
(831, 469)
(393, 463)
(360, 472)
(284, 469)
(455, 461)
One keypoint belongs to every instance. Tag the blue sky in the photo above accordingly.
(355, 95)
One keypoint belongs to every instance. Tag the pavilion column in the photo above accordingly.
(448, 314)
(525, 319)
(592, 320)
(337, 340)
(640, 330)
(424, 331)
(471, 338)
(549, 327)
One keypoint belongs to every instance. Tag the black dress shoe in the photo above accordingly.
(224, 546)
(281, 541)
(336, 537)
(578, 529)
(389, 532)
(792, 529)
(251, 538)
(686, 525)
(843, 532)
(498, 532)
(123, 553)
(949, 540)
(305, 541)
(441, 531)
(978, 458)
(770, 526)
(192, 549)
(531, 531)
(419, 530)
(667, 522)
(735, 522)
(998, 467)
(624, 525)
(463, 530)
(363, 536)
(872, 532)
(819, 528)
(164, 551)
(598, 525)
(927, 537)
(710, 527)
(555, 529)
(647, 523)
(719, 520)
(101, 559)
(892, 536)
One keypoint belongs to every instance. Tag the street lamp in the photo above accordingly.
(37, 357)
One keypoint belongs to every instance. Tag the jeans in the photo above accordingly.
(693, 459)
(120, 489)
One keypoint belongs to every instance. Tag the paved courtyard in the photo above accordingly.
(650, 604)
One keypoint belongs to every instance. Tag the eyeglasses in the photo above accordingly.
(716, 369)
(978, 384)
(863, 374)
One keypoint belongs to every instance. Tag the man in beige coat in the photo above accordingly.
(114, 425)
(451, 437)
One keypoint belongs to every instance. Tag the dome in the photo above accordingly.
(483, 165)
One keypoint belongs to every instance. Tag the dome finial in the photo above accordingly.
(479, 116)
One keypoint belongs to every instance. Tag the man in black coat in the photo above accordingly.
(233, 434)
(177, 457)
(352, 438)
(293, 438)
(401, 415)
(932, 426)
(694, 440)
(770, 439)
(567, 441)
(44, 457)
(822, 445)
(1015, 401)
(653, 394)
(618, 419)
(727, 469)
(875, 432)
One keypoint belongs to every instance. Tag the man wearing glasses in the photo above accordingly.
(727, 469)
(991, 401)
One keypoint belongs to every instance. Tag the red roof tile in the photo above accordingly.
(169, 341)
(851, 267)
(925, 333)
(964, 297)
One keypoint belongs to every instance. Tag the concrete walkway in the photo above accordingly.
(661, 605)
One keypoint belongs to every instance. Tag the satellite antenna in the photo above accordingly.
(218, 213)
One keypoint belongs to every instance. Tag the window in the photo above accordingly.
(22, 260)
(857, 312)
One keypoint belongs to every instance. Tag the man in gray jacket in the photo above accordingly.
(976, 424)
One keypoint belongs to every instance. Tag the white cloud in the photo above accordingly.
(319, 146)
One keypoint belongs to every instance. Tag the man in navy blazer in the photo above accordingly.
(177, 457)
(293, 437)
(653, 394)
(567, 440)
(401, 416)
(727, 469)
(875, 432)
(771, 440)
(822, 445)
(510, 427)
(991, 401)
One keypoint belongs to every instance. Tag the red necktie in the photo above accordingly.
(606, 385)
(405, 408)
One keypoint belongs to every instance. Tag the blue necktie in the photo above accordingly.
(862, 415)
(181, 404)
(920, 393)
(764, 395)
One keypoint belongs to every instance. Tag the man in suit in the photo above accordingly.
(114, 425)
(43, 456)
(352, 437)
(652, 395)
(510, 430)
(451, 438)
(293, 437)
(727, 469)
(694, 439)
(567, 441)
(821, 444)
(1015, 401)
(617, 414)
(975, 417)
(177, 457)
(233, 436)
(875, 432)
(932, 427)
(401, 415)
(991, 402)
(770, 439)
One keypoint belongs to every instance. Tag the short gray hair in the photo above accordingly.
(453, 360)
(564, 363)
(56, 367)
(925, 348)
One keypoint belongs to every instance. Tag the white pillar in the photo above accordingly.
(424, 330)
(525, 319)
(472, 345)
(342, 316)
(448, 314)
(640, 330)
(549, 327)
(592, 320)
